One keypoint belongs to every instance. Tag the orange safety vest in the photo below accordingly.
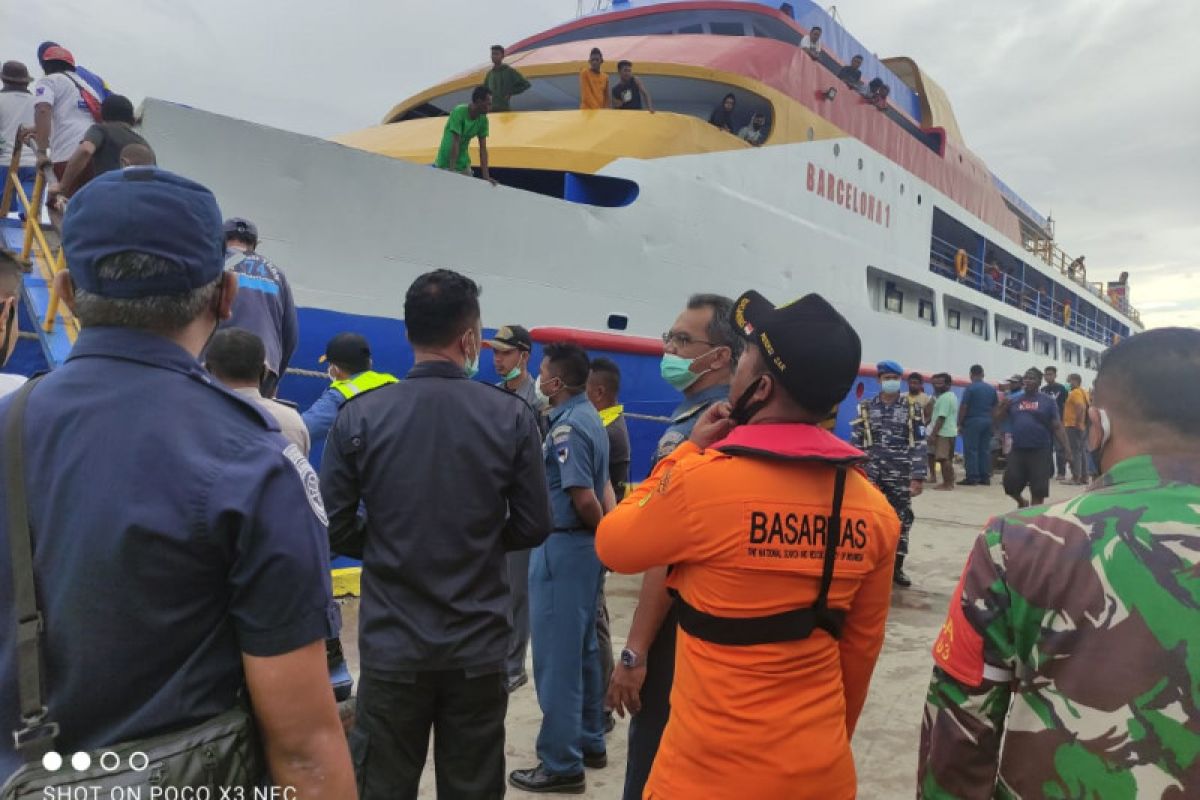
(745, 525)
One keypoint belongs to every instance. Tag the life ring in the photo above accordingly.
(961, 265)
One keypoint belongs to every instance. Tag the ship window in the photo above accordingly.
(618, 322)
(925, 310)
(860, 163)
(918, 199)
(837, 150)
(953, 319)
(727, 28)
(811, 134)
(977, 326)
(893, 299)
(693, 29)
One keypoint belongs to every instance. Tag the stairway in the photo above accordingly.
(56, 338)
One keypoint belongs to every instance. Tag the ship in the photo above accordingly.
(605, 221)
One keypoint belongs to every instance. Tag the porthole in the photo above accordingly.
(837, 150)
(918, 199)
(860, 163)
(902, 188)
(618, 322)
(811, 134)
(881, 176)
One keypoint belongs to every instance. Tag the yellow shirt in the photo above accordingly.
(1075, 411)
(593, 89)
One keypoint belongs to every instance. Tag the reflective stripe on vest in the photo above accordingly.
(362, 382)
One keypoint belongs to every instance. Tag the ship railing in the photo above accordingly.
(1017, 293)
(35, 246)
(1055, 257)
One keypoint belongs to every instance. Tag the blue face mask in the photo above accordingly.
(677, 370)
(890, 386)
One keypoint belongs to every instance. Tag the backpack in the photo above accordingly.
(90, 98)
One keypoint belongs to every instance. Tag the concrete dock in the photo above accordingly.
(886, 741)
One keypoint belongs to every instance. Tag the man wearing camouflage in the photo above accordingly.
(1068, 665)
(890, 428)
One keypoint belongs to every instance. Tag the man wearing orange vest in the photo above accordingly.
(780, 622)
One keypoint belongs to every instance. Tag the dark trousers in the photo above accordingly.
(646, 727)
(977, 448)
(390, 739)
(518, 640)
(1060, 460)
(1077, 438)
(899, 497)
(604, 638)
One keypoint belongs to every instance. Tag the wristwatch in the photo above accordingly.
(630, 659)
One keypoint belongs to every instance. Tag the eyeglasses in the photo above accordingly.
(680, 339)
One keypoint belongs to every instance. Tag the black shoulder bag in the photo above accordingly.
(221, 752)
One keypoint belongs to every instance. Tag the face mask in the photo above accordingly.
(541, 394)
(677, 370)
(890, 387)
(743, 409)
(472, 366)
(513, 373)
(1105, 434)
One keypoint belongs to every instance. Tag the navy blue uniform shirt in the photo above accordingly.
(174, 529)
(576, 456)
(980, 399)
(264, 306)
(684, 418)
(450, 472)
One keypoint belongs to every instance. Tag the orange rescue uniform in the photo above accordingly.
(593, 89)
(743, 523)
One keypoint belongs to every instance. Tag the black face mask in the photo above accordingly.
(743, 409)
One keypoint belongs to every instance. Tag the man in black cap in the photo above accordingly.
(511, 348)
(780, 621)
(350, 372)
(264, 303)
(192, 563)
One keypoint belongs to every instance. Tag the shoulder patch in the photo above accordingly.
(308, 477)
(669, 441)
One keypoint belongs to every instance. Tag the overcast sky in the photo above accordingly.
(1088, 109)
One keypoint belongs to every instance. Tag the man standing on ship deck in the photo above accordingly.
(700, 354)
(503, 81)
(467, 122)
(593, 84)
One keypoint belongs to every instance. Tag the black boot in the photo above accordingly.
(898, 576)
(538, 781)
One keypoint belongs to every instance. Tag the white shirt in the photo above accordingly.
(71, 118)
(807, 44)
(10, 383)
(16, 109)
(289, 419)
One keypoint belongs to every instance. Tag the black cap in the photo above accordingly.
(512, 337)
(807, 344)
(349, 350)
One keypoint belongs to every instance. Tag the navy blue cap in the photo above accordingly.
(241, 227)
(144, 210)
(889, 366)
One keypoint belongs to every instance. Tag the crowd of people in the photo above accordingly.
(170, 541)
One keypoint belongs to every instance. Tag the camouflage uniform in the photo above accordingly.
(1085, 618)
(893, 435)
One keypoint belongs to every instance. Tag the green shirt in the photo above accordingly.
(946, 406)
(1069, 663)
(505, 82)
(460, 122)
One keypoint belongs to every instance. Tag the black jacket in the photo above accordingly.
(450, 474)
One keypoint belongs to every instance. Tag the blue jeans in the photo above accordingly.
(564, 585)
(26, 175)
(977, 448)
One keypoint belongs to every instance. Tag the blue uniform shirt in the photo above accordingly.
(684, 418)
(174, 529)
(576, 455)
(320, 415)
(264, 306)
(980, 400)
